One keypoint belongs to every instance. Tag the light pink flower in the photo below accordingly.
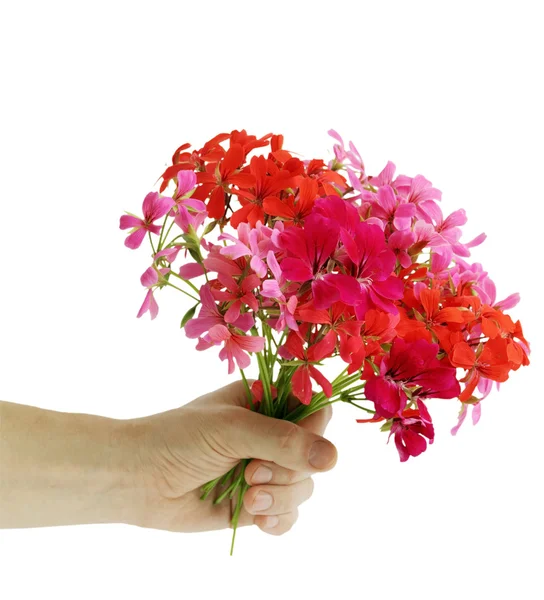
(255, 243)
(273, 288)
(236, 346)
(389, 208)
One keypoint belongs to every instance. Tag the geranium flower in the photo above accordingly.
(308, 249)
(267, 181)
(154, 207)
(294, 209)
(490, 362)
(410, 431)
(390, 209)
(209, 316)
(236, 346)
(410, 366)
(301, 386)
(369, 282)
(222, 176)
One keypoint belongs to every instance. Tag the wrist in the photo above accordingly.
(65, 469)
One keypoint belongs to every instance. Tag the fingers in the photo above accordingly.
(252, 435)
(277, 524)
(277, 500)
(261, 471)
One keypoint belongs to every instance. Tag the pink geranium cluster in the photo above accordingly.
(298, 261)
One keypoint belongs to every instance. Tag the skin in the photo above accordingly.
(64, 468)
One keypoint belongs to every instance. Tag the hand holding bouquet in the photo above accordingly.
(298, 261)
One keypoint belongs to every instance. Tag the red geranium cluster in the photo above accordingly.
(302, 260)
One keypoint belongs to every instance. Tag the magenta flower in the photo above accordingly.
(236, 346)
(308, 249)
(154, 207)
(410, 432)
(339, 210)
(420, 192)
(368, 263)
(412, 366)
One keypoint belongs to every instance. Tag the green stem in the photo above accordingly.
(190, 284)
(162, 231)
(151, 242)
(248, 390)
(182, 291)
(171, 224)
(237, 511)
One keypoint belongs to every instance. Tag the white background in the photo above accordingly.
(95, 97)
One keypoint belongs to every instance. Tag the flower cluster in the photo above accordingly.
(299, 260)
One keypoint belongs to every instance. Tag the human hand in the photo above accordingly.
(182, 449)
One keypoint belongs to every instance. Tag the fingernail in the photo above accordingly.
(271, 521)
(262, 475)
(321, 454)
(262, 501)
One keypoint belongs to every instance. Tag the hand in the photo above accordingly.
(182, 449)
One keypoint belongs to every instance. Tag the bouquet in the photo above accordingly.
(295, 261)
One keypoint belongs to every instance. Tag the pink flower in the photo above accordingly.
(352, 155)
(418, 191)
(272, 288)
(154, 207)
(385, 177)
(235, 347)
(149, 279)
(186, 184)
(209, 316)
(399, 242)
(238, 293)
(410, 432)
(390, 208)
(256, 243)
(412, 366)
(448, 231)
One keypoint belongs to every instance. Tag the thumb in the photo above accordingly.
(287, 444)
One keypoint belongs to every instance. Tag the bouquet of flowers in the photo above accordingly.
(298, 261)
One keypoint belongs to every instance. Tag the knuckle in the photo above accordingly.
(288, 433)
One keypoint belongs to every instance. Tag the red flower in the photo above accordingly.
(301, 384)
(223, 175)
(293, 210)
(267, 180)
(491, 362)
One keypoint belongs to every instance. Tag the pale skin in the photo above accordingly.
(68, 468)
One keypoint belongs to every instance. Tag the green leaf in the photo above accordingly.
(188, 315)
(387, 425)
(210, 227)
